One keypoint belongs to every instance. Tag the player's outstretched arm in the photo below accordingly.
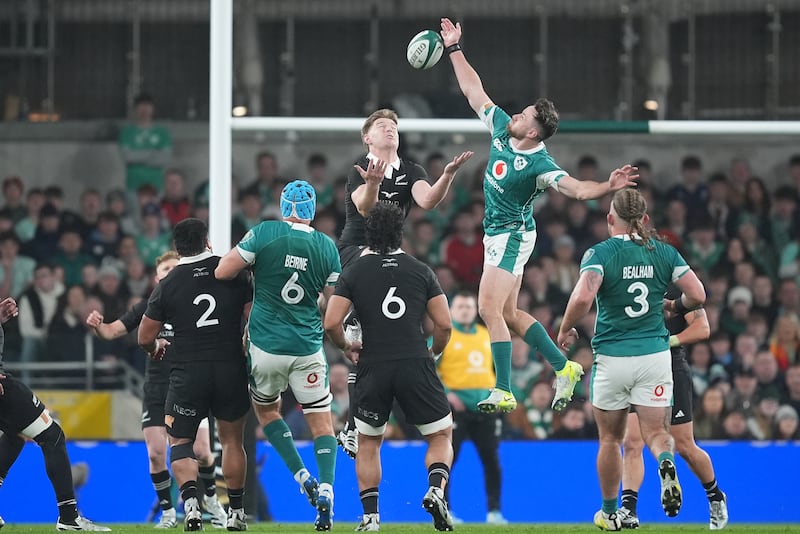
(468, 80)
(337, 309)
(107, 331)
(580, 302)
(694, 294)
(229, 265)
(588, 189)
(697, 329)
(365, 195)
(429, 196)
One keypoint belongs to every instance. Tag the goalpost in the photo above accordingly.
(222, 124)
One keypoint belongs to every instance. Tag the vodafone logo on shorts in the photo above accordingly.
(312, 378)
(658, 394)
(499, 169)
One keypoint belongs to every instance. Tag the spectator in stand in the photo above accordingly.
(705, 371)
(16, 271)
(44, 244)
(248, 213)
(66, 335)
(734, 318)
(89, 278)
(37, 306)
(175, 202)
(462, 250)
(768, 376)
(138, 281)
(692, 191)
(761, 421)
(318, 175)
(146, 148)
(784, 343)
(534, 418)
(734, 427)
(740, 173)
(91, 206)
(325, 222)
(789, 297)
(447, 280)
(764, 299)
(744, 274)
(709, 415)
(26, 227)
(565, 272)
(266, 178)
(723, 216)
(53, 194)
(13, 190)
(760, 252)
(535, 280)
(792, 382)
(783, 223)
(758, 206)
(703, 249)
(571, 424)
(757, 327)
(117, 203)
(735, 253)
(676, 228)
(338, 207)
(425, 245)
(153, 241)
(113, 295)
(720, 344)
(745, 349)
(786, 424)
(102, 242)
(647, 181)
(71, 256)
(743, 395)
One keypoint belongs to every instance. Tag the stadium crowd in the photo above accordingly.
(739, 235)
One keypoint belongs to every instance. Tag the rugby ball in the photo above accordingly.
(424, 50)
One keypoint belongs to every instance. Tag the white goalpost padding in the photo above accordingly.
(222, 123)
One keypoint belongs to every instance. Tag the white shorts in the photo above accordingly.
(619, 381)
(510, 251)
(271, 374)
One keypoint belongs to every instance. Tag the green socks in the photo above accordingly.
(609, 505)
(666, 456)
(325, 453)
(501, 354)
(280, 437)
(537, 338)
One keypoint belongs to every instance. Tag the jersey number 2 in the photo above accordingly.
(641, 299)
(204, 319)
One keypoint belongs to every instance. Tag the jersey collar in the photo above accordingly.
(626, 237)
(392, 165)
(194, 259)
(533, 150)
(368, 251)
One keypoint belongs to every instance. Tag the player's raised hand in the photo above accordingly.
(8, 309)
(452, 167)
(94, 319)
(373, 174)
(568, 338)
(623, 177)
(451, 33)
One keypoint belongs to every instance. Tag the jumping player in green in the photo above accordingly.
(292, 264)
(628, 276)
(519, 170)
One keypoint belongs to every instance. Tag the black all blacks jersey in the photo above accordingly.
(676, 323)
(205, 313)
(395, 190)
(155, 371)
(390, 294)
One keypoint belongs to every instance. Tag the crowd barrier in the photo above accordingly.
(542, 482)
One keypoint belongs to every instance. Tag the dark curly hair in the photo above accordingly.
(384, 228)
(190, 236)
(546, 117)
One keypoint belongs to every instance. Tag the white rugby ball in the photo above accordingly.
(424, 50)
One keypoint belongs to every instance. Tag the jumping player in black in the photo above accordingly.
(392, 292)
(208, 370)
(383, 177)
(23, 414)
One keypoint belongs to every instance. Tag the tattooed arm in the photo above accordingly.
(697, 328)
(580, 302)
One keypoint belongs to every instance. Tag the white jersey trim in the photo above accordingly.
(679, 271)
(550, 179)
(393, 165)
(247, 256)
(593, 267)
(194, 259)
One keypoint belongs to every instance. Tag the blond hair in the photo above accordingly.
(384, 113)
(631, 206)
(168, 255)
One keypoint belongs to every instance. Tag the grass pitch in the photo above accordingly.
(474, 528)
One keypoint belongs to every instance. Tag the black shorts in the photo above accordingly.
(413, 383)
(199, 388)
(348, 253)
(681, 392)
(19, 407)
(155, 397)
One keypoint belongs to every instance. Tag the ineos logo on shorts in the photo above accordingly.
(312, 378)
(186, 412)
(499, 169)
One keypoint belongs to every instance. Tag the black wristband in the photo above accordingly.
(452, 48)
(680, 307)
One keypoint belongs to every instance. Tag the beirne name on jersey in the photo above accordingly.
(513, 178)
(292, 263)
(630, 316)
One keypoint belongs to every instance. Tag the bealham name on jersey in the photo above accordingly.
(401, 175)
(390, 294)
(630, 315)
(513, 178)
(292, 263)
(205, 313)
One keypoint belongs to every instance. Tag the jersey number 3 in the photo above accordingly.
(641, 291)
(205, 319)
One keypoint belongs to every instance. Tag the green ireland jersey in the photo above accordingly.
(513, 178)
(630, 316)
(146, 151)
(291, 263)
